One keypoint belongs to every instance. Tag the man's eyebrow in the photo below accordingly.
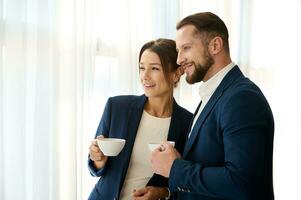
(188, 43)
(185, 44)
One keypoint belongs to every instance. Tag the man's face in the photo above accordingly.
(193, 56)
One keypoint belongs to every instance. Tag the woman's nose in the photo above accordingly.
(145, 75)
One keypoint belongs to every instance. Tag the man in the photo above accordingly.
(228, 153)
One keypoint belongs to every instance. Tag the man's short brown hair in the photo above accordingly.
(208, 25)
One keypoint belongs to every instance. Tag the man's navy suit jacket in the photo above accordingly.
(230, 150)
(121, 119)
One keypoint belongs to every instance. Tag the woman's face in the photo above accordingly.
(152, 77)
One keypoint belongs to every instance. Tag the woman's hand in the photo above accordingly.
(150, 193)
(97, 155)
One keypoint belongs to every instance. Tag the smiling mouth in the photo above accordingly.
(187, 66)
(148, 85)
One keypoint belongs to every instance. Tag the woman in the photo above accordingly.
(152, 117)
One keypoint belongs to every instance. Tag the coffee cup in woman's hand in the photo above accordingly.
(95, 153)
(110, 146)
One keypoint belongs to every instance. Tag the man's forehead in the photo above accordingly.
(183, 38)
(186, 35)
(187, 29)
(186, 32)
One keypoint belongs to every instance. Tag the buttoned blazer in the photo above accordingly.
(121, 118)
(230, 150)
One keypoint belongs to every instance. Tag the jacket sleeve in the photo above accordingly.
(245, 121)
(103, 129)
(93, 170)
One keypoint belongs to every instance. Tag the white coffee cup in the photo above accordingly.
(110, 146)
(153, 146)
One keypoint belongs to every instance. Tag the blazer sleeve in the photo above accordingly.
(103, 129)
(245, 121)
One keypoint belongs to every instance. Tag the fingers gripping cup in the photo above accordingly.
(110, 146)
(153, 146)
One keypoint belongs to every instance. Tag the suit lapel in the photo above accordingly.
(232, 75)
(195, 130)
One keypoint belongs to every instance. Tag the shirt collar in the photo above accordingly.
(207, 88)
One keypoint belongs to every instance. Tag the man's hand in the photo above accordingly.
(163, 158)
(150, 193)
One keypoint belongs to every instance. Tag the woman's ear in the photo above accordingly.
(177, 75)
(181, 71)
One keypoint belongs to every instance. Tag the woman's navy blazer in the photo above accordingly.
(121, 119)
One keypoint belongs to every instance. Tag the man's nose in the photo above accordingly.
(180, 58)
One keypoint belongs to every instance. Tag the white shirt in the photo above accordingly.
(207, 88)
(151, 130)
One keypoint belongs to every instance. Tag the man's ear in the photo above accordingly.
(216, 45)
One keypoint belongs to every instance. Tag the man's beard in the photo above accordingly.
(200, 70)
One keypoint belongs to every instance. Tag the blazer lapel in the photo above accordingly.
(195, 130)
(232, 75)
(132, 124)
(133, 120)
(174, 128)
